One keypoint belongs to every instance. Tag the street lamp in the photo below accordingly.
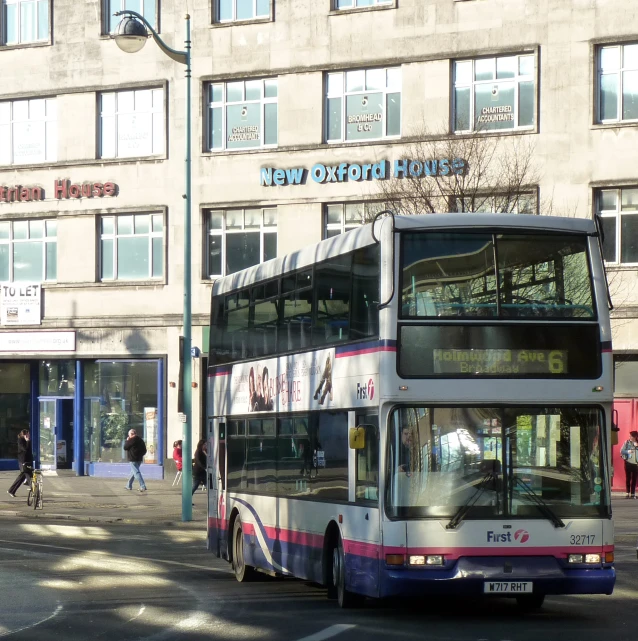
(131, 35)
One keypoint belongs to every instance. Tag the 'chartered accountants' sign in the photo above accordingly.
(62, 190)
(382, 170)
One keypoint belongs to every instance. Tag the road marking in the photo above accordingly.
(33, 625)
(332, 631)
(120, 556)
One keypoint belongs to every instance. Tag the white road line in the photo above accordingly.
(33, 625)
(332, 631)
(22, 544)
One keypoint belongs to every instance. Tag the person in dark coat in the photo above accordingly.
(25, 461)
(135, 451)
(199, 467)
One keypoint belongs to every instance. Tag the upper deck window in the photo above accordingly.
(495, 275)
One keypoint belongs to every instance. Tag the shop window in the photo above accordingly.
(15, 406)
(342, 217)
(57, 378)
(494, 94)
(242, 114)
(618, 83)
(24, 21)
(618, 210)
(359, 4)
(132, 247)
(364, 104)
(626, 375)
(239, 10)
(28, 251)
(240, 238)
(28, 131)
(132, 123)
(120, 395)
(146, 8)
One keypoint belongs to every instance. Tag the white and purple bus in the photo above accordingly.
(421, 405)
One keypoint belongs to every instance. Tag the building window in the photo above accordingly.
(132, 247)
(357, 4)
(524, 203)
(28, 251)
(236, 10)
(618, 83)
(242, 114)
(132, 123)
(494, 94)
(618, 209)
(342, 217)
(240, 238)
(147, 8)
(24, 21)
(28, 131)
(363, 104)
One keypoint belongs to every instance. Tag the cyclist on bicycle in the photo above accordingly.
(25, 460)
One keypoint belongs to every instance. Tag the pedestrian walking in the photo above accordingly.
(177, 455)
(629, 452)
(199, 467)
(135, 451)
(25, 461)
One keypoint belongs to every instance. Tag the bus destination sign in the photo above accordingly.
(500, 361)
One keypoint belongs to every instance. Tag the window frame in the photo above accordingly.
(107, 13)
(115, 235)
(255, 18)
(616, 214)
(160, 111)
(516, 81)
(27, 43)
(224, 104)
(618, 71)
(49, 122)
(45, 240)
(376, 4)
(343, 226)
(344, 94)
(223, 231)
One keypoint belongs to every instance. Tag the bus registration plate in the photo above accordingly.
(508, 587)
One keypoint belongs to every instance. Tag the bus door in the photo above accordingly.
(365, 538)
(216, 481)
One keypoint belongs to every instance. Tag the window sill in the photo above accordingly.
(26, 45)
(615, 125)
(620, 267)
(241, 23)
(84, 162)
(238, 152)
(108, 284)
(500, 132)
(384, 7)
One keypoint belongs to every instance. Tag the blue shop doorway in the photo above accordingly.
(56, 433)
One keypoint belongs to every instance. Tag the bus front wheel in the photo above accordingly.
(242, 571)
(345, 598)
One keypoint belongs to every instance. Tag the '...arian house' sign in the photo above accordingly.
(62, 190)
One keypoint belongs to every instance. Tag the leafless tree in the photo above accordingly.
(499, 174)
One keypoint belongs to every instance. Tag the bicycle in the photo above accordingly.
(35, 496)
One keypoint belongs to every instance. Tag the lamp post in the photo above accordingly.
(132, 34)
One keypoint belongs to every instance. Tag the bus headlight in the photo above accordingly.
(592, 558)
(575, 558)
(426, 559)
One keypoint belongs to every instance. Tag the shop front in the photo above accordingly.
(79, 412)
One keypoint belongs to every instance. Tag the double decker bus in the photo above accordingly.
(421, 405)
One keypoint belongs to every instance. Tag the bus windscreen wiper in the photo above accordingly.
(542, 506)
(469, 504)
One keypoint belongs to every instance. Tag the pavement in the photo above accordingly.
(103, 500)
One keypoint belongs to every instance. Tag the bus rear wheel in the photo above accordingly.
(242, 571)
(345, 598)
(529, 602)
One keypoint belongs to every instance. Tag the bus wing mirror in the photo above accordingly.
(357, 438)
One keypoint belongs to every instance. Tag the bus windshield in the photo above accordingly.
(507, 462)
(461, 274)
